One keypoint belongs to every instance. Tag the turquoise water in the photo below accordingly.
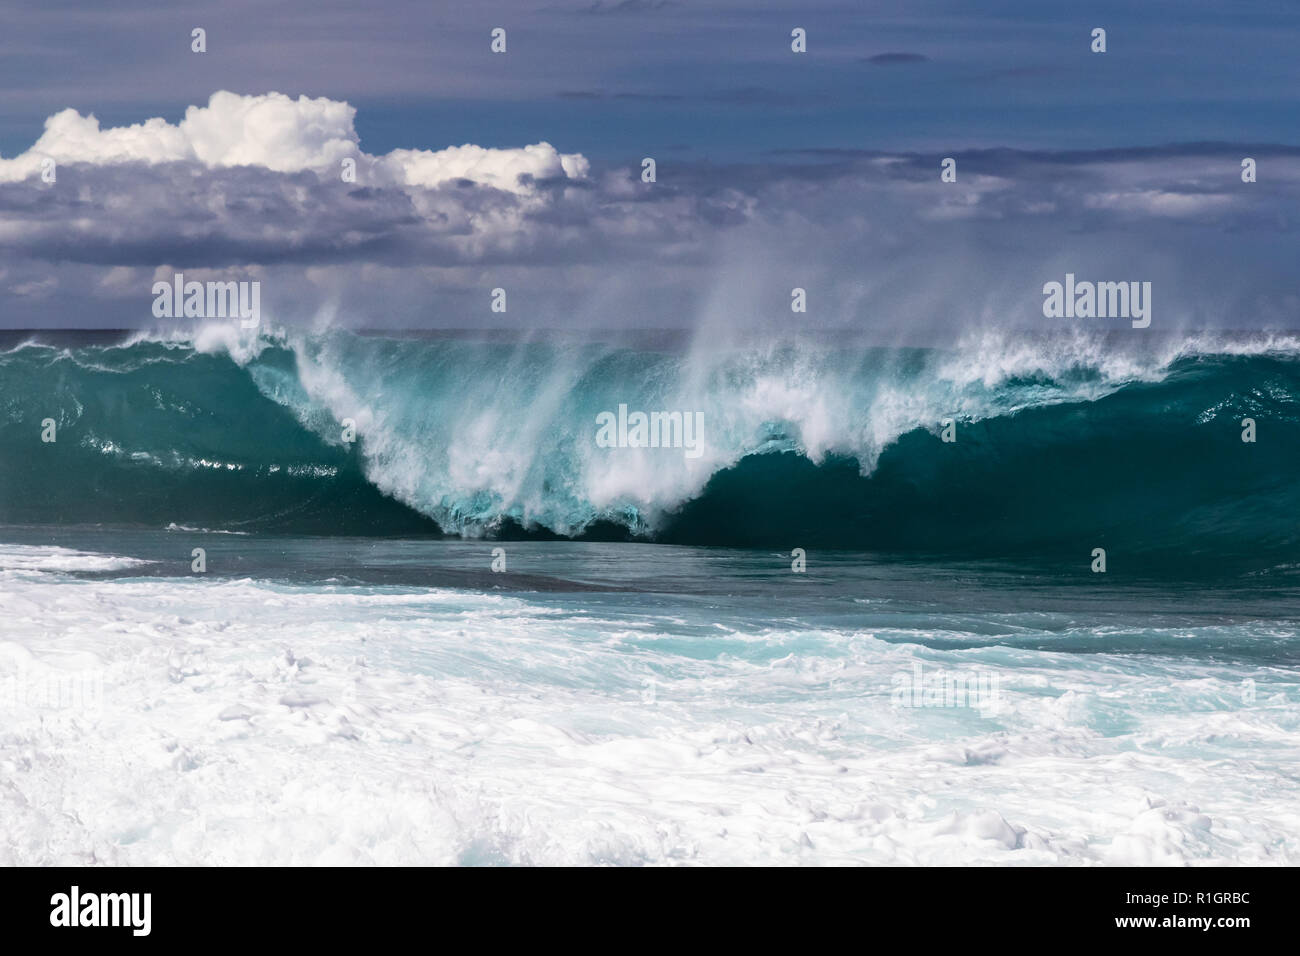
(1054, 446)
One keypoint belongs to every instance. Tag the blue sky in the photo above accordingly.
(713, 80)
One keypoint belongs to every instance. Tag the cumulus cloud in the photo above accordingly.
(504, 169)
(273, 131)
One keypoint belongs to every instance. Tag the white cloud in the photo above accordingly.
(272, 131)
(1159, 202)
(499, 168)
(275, 132)
(35, 290)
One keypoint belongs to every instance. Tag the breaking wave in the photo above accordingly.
(1062, 445)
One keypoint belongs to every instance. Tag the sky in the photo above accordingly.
(774, 169)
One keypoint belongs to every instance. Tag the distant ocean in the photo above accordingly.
(434, 621)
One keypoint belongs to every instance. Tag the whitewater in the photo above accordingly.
(650, 680)
(703, 707)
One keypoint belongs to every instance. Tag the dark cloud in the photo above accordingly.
(627, 6)
(895, 59)
(877, 234)
(652, 97)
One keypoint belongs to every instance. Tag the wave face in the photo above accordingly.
(1061, 445)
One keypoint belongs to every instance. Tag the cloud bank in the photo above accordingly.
(280, 189)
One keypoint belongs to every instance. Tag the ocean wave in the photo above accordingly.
(1061, 443)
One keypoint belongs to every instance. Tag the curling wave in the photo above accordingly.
(1061, 445)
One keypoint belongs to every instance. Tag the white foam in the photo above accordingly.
(249, 723)
(18, 557)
